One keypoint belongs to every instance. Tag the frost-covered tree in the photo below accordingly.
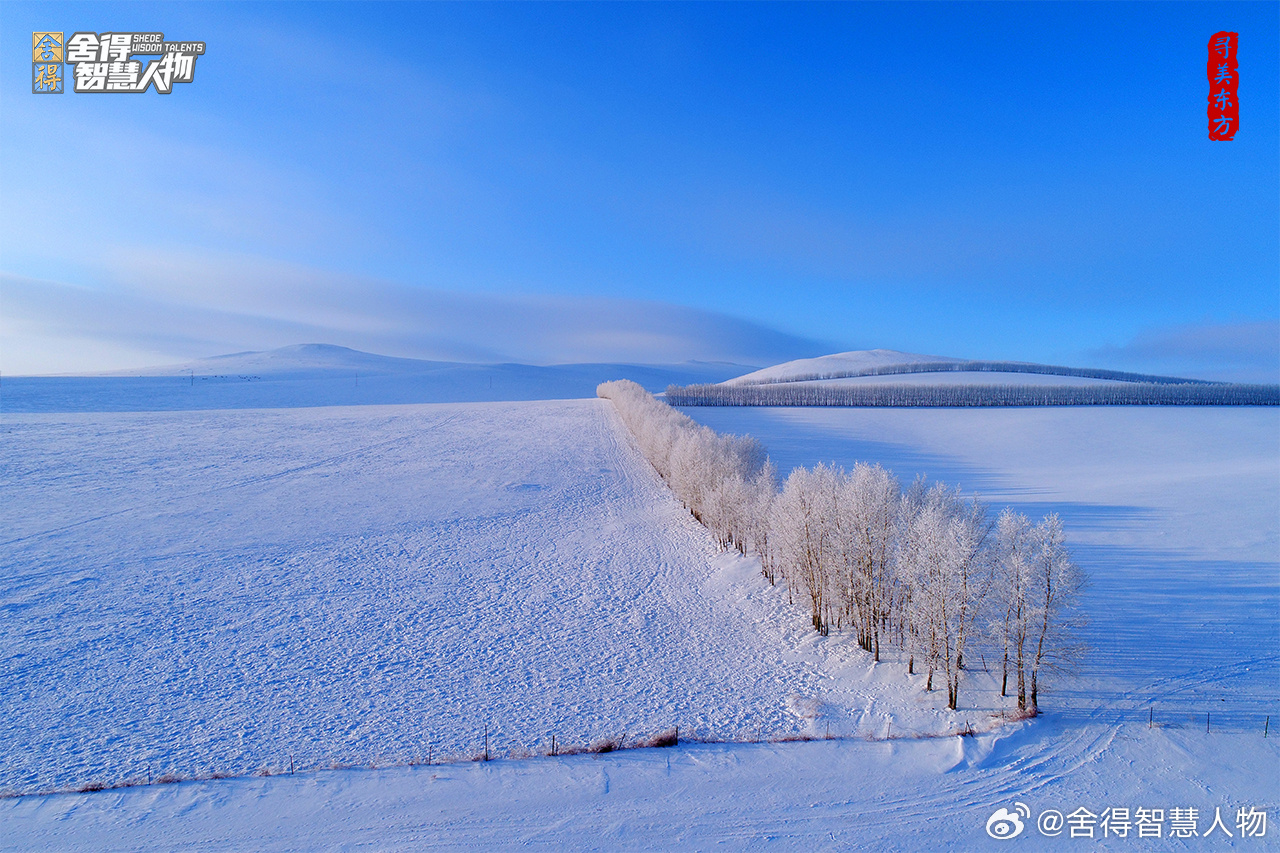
(1016, 553)
(758, 499)
(710, 474)
(803, 537)
(925, 565)
(905, 558)
(1055, 586)
(947, 561)
(968, 582)
(871, 501)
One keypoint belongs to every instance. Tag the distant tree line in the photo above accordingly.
(924, 569)
(1126, 394)
(986, 367)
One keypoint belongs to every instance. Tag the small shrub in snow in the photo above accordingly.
(606, 745)
(793, 737)
(670, 737)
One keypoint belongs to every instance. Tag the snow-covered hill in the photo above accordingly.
(299, 358)
(846, 363)
(323, 375)
(889, 367)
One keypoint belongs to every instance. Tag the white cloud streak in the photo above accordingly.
(162, 307)
(1245, 351)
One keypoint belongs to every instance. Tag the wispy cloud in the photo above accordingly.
(172, 307)
(1247, 351)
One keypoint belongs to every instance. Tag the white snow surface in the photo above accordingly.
(836, 362)
(214, 592)
(824, 795)
(220, 590)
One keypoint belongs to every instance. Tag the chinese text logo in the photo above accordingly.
(1224, 108)
(104, 62)
(46, 63)
(1131, 822)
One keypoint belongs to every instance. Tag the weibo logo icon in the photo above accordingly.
(1004, 824)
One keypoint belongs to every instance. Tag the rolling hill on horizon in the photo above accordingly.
(890, 378)
(319, 357)
(307, 375)
(885, 365)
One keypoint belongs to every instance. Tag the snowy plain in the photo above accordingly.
(217, 592)
(206, 591)
(821, 795)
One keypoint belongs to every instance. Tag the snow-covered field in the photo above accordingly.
(217, 592)
(205, 591)
(824, 795)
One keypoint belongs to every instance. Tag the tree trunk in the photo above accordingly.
(1022, 677)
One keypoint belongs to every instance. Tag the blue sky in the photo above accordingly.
(651, 182)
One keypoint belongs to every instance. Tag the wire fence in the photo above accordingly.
(1189, 719)
(1205, 718)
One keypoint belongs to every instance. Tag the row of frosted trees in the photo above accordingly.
(923, 570)
(1117, 394)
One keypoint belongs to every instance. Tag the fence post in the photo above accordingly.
(486, 741)
(1206, 722)
(1266, 725)
(1151, 718)
(290, 765)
